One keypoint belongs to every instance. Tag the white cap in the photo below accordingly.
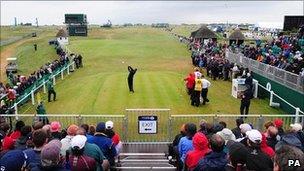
(245, 127)
(78, 141)
(254, 136)
(226, 134)
(109, 125)
(296, 127)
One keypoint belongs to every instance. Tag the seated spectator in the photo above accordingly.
(185, 144)
(92, 150)
(237, 156)
(278, 123)
(13, 160)
(257, 160)
(114, 136)
(104, 143)
(286, 153)
(23, 140)
(50, 157)
(237, 131)
(55, 130)
(78, 161)
(200, 149)
(34, 155)
(215, 160)
(66, 142)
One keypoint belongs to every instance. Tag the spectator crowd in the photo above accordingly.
(214, 147)
(49, 147)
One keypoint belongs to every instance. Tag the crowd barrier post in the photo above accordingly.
(125, 128)
(54, 80)
(215, 119)
(68, 70)
(62, 74)
(260, 122)
(33, 97)
(44, 87)
(271, 98)
(16, 111)
(79, 119)
(170, 129)
(297, 115)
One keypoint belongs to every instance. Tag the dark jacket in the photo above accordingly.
(213, 161)
(53, 168)
(237, 132)
(257, 160)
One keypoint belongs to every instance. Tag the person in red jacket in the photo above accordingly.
(201, 148)
(190, 81)
(265, 148)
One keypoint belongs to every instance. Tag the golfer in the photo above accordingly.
(51, 91)
(130, 78)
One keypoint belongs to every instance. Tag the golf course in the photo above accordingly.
(100, 87)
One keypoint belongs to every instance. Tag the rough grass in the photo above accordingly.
(101, 87)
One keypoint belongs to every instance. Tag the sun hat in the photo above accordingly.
(109, 125)
(254, 135)
(50, 153)
(245, 127)
(55, 126)
(296, 127)
(78, 141)
(227, 135)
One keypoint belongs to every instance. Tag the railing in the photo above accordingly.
(169, 125)
(293, 81)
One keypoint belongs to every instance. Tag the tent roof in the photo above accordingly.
(62, 33)
(237, 35)
(205, 33)
(193, 33)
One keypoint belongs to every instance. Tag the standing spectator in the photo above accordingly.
(51, 91)
(4, 128)
(55, 128)
(245, 102)
(273, 136)
(257, 160)
(34, 155)
(14, 160)
(227, 135)
(297, 129)
(215, 160)
(284, 155)
(92, 150)
(50, 157)
(114, 136)
(185, 143)
(249, 81)
(205, 85)
(17, 133)
(197, 92)
(265, 148)
(237, 131)
(21, 142)
(86, 128)
(35, 47)
(173, 148)
(237, 157)
(11, 95)
(104, 143)
(66, 142)
(78, 161)
(200, 149)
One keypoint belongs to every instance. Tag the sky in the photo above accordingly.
(262, 13)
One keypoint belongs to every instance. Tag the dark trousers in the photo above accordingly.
(190, 91)
(204, 95)
(50, 92)
(244, 107)
(195, 100)
(130, 84)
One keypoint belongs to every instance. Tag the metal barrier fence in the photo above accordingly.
(293, 81)
(168, 125)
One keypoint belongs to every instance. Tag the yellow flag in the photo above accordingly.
(38, 97)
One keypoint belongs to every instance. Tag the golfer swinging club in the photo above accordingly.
(130, 78)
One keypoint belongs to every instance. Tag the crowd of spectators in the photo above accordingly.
(215, 147)
(48, 147)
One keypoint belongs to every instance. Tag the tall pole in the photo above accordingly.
(37, 22)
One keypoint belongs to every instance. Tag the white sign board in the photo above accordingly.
(147, 124)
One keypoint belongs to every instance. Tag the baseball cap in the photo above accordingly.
(254, 135)
(278, 122)
(72, 129)
(13, 160)
(50, 153)
(296, 127)
(78, 141)
(109, 125)
(100, 127)
(245, 127)
(55, 126)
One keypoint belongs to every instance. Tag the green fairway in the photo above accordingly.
(100, 87)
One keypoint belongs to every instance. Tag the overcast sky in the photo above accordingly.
(174, 12)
